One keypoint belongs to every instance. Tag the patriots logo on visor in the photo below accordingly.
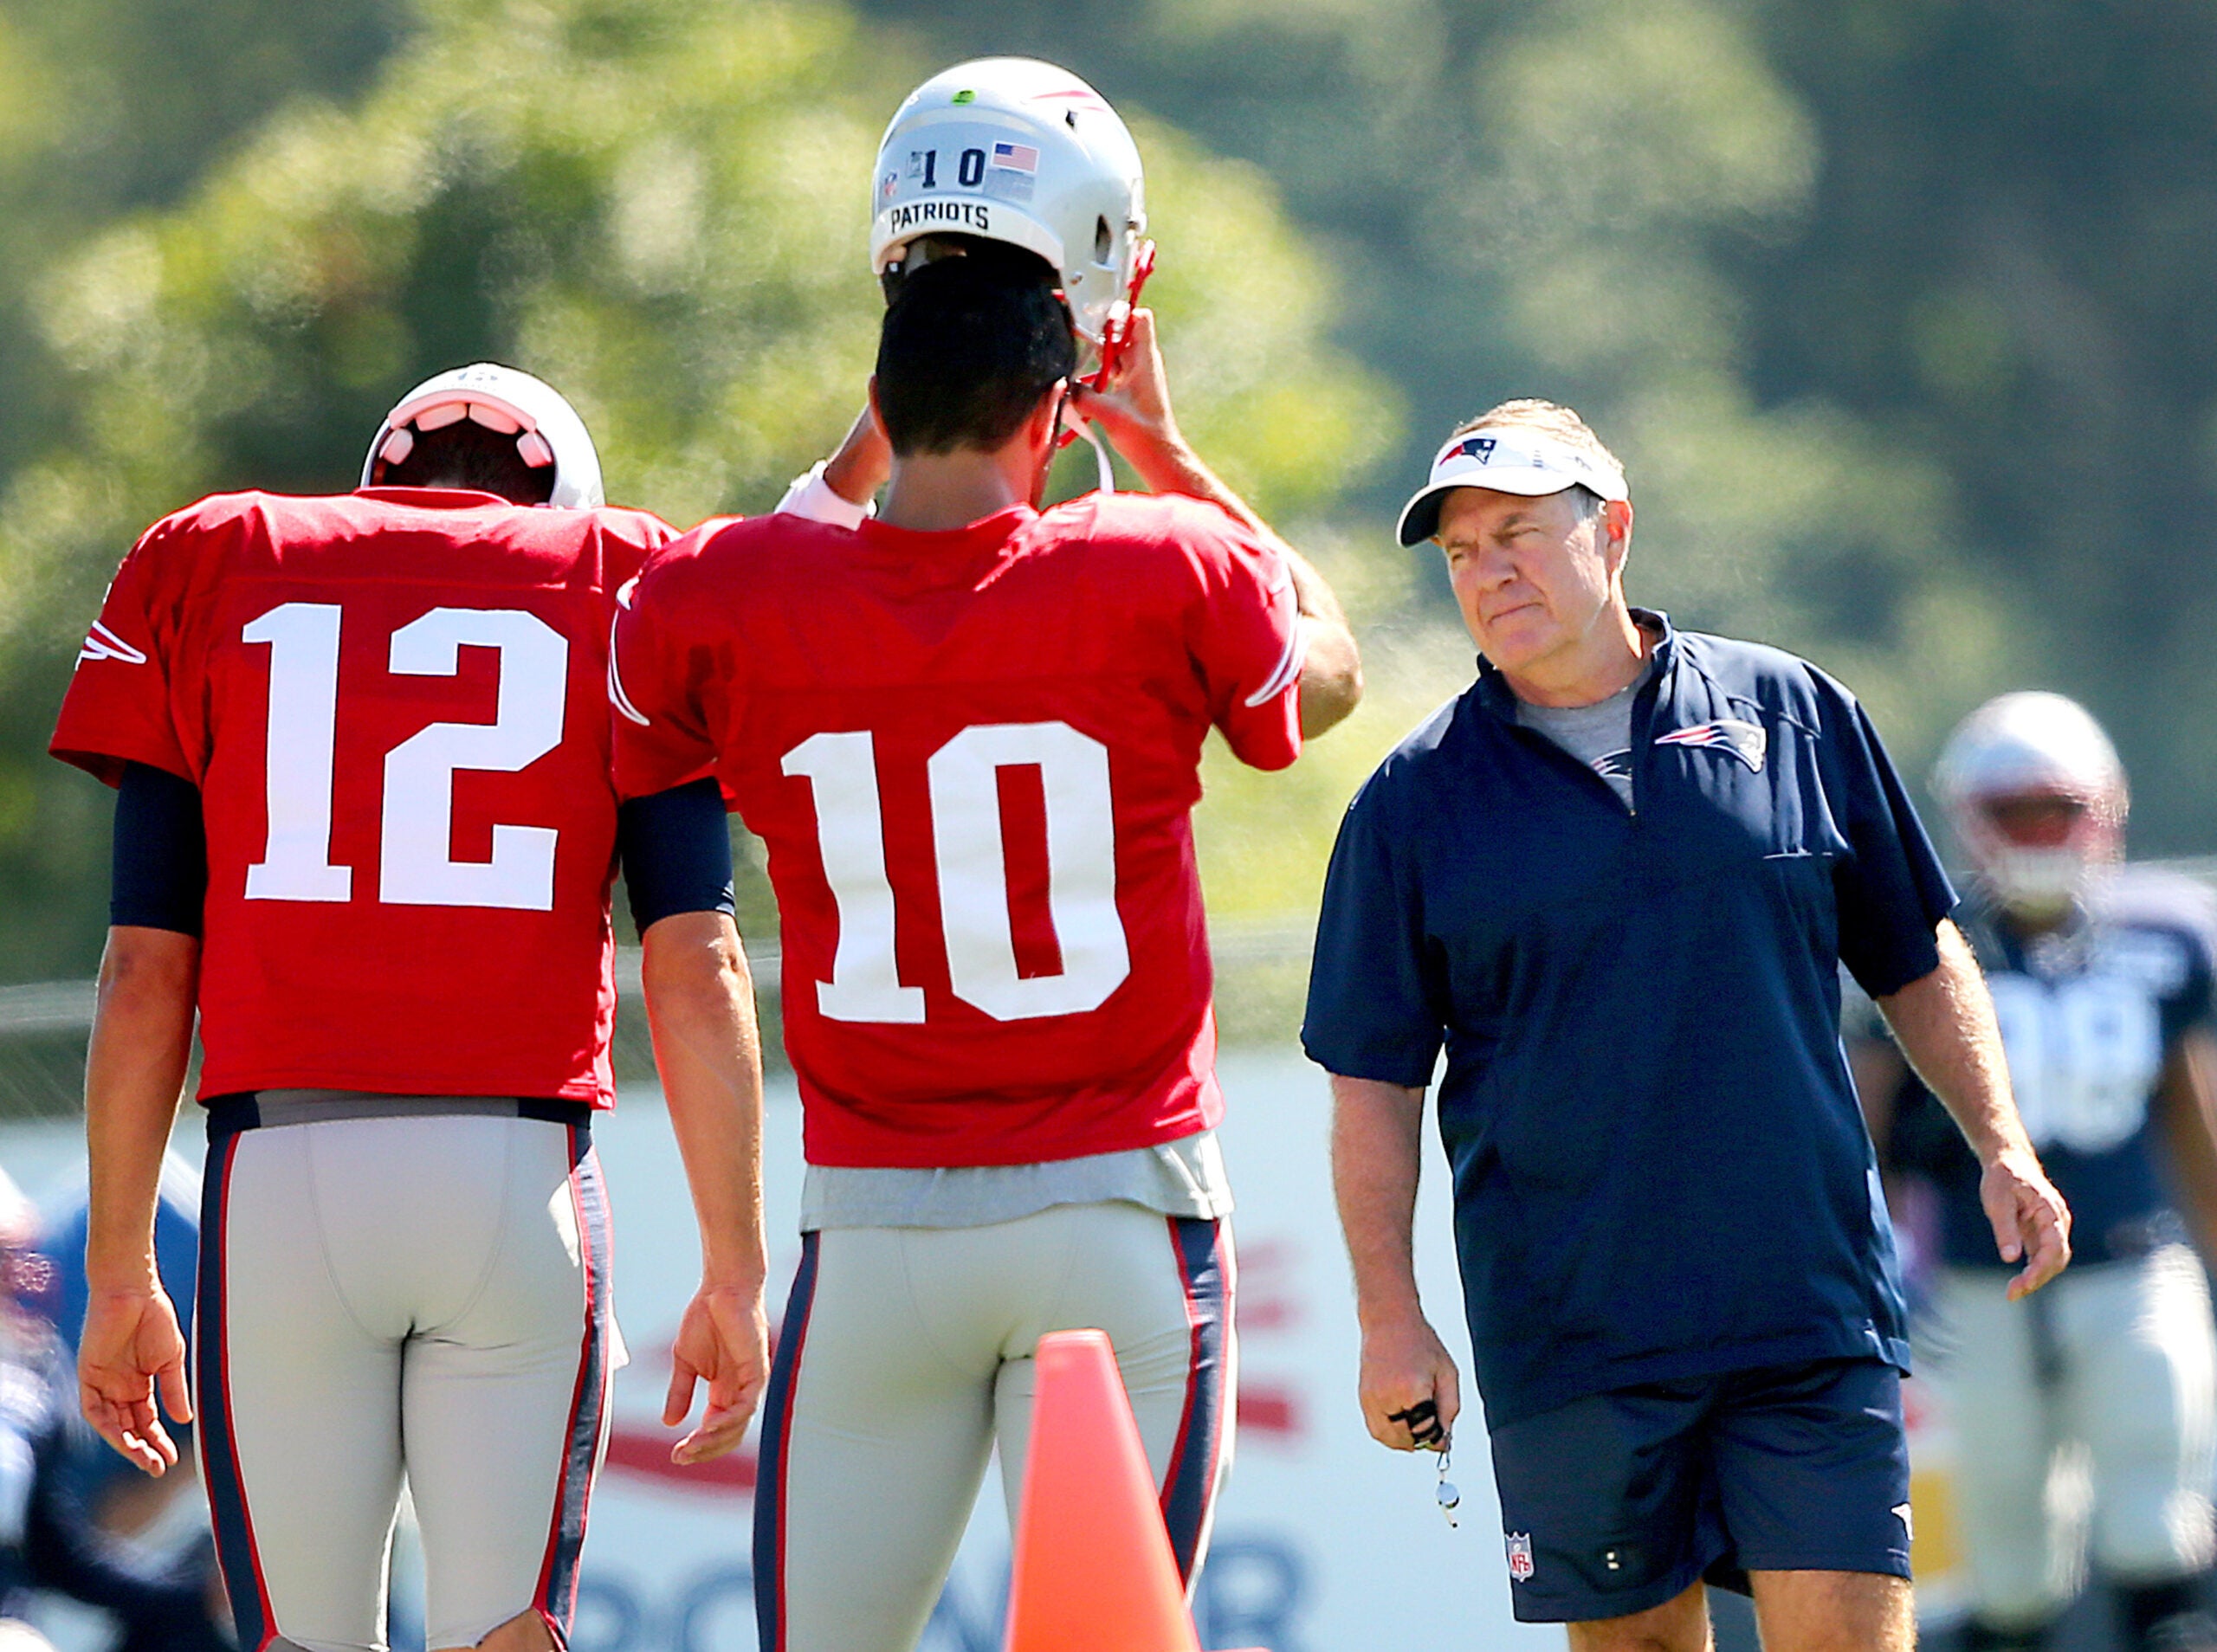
(1479, 448)
(1746, 741)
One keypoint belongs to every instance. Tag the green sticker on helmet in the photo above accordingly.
(966, 97)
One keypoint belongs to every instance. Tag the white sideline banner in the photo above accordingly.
(1324, 1541)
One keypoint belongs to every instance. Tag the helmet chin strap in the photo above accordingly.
(1068, 430)
(1105, 471)
(1115, 338)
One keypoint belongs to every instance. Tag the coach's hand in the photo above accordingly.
(1404, 1365)
(2031, 1221)
(131, 1351)
(723, 1340)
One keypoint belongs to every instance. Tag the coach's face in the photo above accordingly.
(1536, 581)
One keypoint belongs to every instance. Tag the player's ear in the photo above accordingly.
(1042, 428)
(1616, 531)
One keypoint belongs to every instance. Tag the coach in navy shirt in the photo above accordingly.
(1616, 879)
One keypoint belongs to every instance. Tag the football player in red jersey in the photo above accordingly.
(365, 827)
(970, 733)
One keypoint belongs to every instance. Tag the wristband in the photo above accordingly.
(814, 498)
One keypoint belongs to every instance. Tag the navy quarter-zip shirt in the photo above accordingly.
(1660, 1168)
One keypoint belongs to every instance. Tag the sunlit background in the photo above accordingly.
(1899, 311)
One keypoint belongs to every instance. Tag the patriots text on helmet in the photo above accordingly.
(953, 215)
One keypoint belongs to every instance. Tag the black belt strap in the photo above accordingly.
(245, 1110)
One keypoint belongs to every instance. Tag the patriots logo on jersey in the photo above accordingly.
(1746, 741)
(100, 643)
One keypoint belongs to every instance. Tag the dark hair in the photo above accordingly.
(466, 454)
(969, 345)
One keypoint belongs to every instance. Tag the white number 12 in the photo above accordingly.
(416, 863)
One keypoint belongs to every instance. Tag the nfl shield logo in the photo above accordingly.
(1520, 1555)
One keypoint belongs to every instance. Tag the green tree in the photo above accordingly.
(659, 207)
(1896, 306)
(1559, 198)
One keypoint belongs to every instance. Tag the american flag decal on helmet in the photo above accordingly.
(1746, 741)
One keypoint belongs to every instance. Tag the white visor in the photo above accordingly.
(1507, 461)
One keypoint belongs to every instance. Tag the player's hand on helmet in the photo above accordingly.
(1410, 1392)
(724, 1341)
(1133, 409)
(2032, 1224)
(131, 1351)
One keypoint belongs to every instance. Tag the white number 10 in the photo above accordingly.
(416, 863)
(972, 864)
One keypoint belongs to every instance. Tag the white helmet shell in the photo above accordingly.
(1013, 150)
(547, 428)
(2033, 744)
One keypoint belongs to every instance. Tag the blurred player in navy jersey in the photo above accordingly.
(365, 829)
(57, 1530)
(2102, 977)
(970, 733)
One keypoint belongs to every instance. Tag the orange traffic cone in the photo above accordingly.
(1093, 1570)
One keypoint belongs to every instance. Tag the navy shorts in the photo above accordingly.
(1620, 1501)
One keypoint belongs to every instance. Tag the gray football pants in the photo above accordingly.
(906, 1354)
(391, 1296)
(2117, 1359)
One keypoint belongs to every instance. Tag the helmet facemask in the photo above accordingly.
(511, 403)
(2038, 799)
(2036, 852)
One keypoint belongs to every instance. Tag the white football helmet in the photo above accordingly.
(505, 399)
(1013, 150)
(2027, 749)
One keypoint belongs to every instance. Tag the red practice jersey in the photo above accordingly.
(393, 703)
(974, 756)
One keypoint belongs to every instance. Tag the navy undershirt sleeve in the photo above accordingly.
(675, 847)
(159, 876)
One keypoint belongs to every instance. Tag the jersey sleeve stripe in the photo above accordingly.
(616, 696)
(1289, 667)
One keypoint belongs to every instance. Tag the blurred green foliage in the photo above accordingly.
(658, 206)
(1893, 308)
